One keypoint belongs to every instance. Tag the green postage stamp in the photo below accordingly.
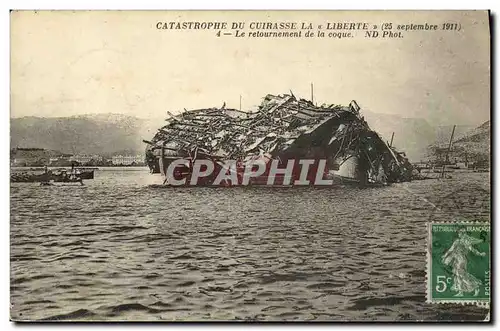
(458, 263)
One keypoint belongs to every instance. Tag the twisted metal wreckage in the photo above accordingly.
(283, 128)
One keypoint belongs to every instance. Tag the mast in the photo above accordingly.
(392, 138)
(449, 149)
(449, 146)
(312, 93)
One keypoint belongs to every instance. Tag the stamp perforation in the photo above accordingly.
(482, 302)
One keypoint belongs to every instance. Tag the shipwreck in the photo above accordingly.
(282, 129)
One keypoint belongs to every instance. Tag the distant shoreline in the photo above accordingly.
(78, 167)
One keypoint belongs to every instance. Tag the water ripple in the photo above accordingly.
(120, 248)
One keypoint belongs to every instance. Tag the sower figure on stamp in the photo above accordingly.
(456, 256)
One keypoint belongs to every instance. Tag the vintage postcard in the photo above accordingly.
(250, 166)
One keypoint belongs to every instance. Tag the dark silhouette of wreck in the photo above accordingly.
(283, 128)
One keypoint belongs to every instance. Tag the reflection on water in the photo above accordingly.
(119, 248)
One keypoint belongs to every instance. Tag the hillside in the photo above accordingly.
(411, 135)
(476, 141)
(35, 154)
(86, 134)
(473, 145)
(107, 134)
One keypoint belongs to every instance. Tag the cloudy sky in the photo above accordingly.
(72, 63)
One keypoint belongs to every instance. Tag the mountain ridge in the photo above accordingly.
(108, 133)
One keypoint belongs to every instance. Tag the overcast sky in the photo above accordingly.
(66, 63)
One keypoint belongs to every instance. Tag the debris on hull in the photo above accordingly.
(283, 128)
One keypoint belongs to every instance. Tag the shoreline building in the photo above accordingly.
(84, 158)
(128, 159)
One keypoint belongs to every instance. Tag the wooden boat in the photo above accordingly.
(58, 176)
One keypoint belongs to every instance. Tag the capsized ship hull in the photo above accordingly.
(283, 128)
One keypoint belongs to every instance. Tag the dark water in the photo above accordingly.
(120, 249)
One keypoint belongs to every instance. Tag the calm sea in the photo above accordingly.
(120, 248)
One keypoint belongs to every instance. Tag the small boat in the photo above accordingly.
(87, 174)
(49, 176)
